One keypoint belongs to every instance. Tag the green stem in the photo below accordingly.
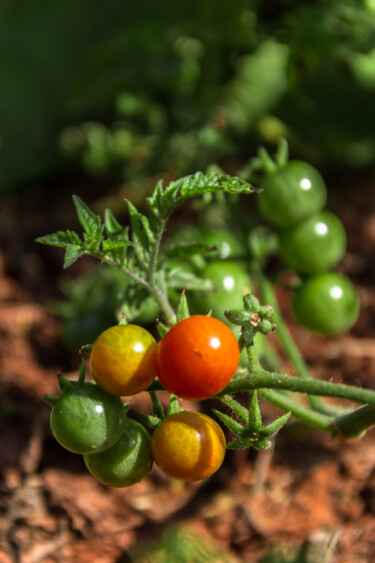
(293, 354)
(286, 403)
(159, 293)
(260, 378)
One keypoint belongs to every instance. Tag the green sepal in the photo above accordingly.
(240, 444)
(275, 426)
(251, 303)
(235, 427)
(64, 384)
(237, 316)
(123, 321)
(157, 407)
(162, 328)
(51, 400)
(151, 421)
(255, 418)
(182, 311)
(262, 444)
(173, 406)
(89, 221)
(239, 410)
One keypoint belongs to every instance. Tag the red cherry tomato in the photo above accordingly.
(188, 446)
(197, 358)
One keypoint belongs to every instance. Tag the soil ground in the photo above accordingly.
(308, 488)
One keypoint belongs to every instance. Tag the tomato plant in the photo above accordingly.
(188, 446)
(197, 357)
(127, 461)
(123, 359)
(291, 194)
(314, 245)
(327, 303)
(86, 418)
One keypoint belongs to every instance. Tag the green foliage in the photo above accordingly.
(136, 91)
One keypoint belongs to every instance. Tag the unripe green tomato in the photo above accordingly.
(87, 419)
(314, 245)
(327, 303)
(125, 463)
(231, 282)
(291, 194)
(228, 245)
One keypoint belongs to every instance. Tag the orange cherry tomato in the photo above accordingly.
(188, 446)
(197, 357)
(123, 359)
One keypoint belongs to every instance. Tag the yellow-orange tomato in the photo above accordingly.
(197, 357)
(188, 446)
(123, 359)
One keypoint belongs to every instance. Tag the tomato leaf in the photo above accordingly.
(89, 221)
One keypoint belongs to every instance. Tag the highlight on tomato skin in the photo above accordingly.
(188, 446)
(197, 358)
(123, 360)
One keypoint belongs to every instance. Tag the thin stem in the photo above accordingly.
(260, 378)
(286, 403)
(355, 423)
(291, 350)
(125, 270)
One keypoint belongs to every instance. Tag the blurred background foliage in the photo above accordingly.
(130, 90)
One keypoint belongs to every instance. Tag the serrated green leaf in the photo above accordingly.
(89, 221)
(182, 311)
(182, 279)
(240, 444)
(201, 183)
(188, 249)
(72, 253)
(61, 239)
(112, 226)
(115, 244)
(139, 235)
(275, 426)
(235, 427)
(255, 417)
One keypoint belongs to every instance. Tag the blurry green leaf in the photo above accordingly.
(89, 221)
(61, 239)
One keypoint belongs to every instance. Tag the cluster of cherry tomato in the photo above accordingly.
(195, 360)
(312, 242)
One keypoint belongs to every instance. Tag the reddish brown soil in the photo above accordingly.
(308, 488)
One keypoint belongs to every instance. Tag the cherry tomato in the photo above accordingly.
(231, 283)
(123, 359)
(125, 463)
(291, 194)
(86, 419)
(327, 303)
(188, 446)
(197, 357)
(315, 245)
(228, 245)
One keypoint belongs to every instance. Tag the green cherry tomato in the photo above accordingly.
(197, 357)
(86, 419)
(125, 463)
(291, 194)
(188, 446)
(327, 303)
(231, 283)
(228, 245)
(314, 245)
(123, 359)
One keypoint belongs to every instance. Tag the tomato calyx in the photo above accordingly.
(254, 318)
(250, 431)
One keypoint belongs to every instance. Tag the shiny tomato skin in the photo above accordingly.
(291, 194)
(123, 359)
(127, 461)
(188, 446)
(326, 303)
(87, 419)
(197, 357)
